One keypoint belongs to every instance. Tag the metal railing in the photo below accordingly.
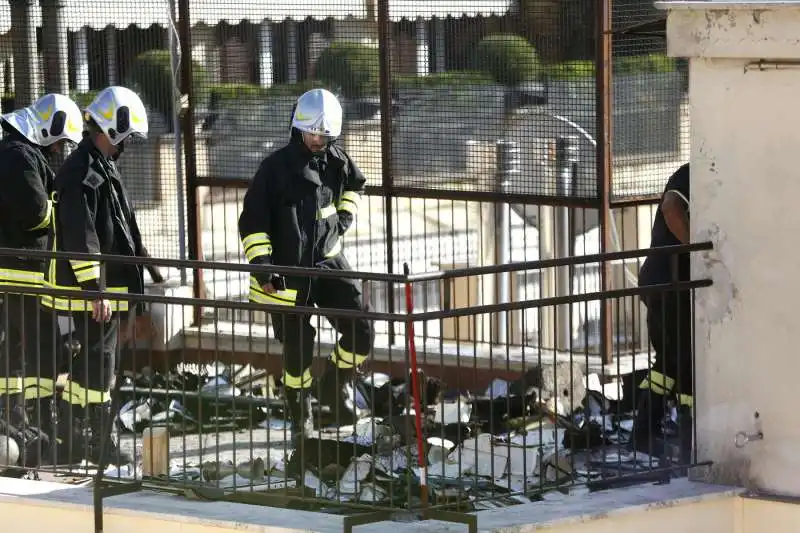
(430, 435)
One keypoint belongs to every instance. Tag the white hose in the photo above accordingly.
(632, 278)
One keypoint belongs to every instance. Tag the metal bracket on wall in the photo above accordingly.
(763, 65)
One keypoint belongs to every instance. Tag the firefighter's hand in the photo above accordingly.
(269, 288)
(101, 311)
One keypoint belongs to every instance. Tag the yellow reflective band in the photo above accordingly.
(256, 245)
(85, 270)
(257, 295)
(295, 382)
(79, 395)
(687, 400)
(335, 250)
(74, 305)
(326, 212)
(21, 278)
(30, 388)
(656, 382)
(350, 202)
(344, 359)
(48, 214)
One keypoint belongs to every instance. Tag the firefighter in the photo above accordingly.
(32, 352)
(302, 200)
(669, 325)
(93, 215)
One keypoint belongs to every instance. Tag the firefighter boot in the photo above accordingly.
(648, 435)
(29, 424)
(298, 408)
(84, 433)
(332, 394)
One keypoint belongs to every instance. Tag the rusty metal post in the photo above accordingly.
(387, 179)
(603, 94)
(189, 147)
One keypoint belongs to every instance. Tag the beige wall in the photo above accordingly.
(744, 144)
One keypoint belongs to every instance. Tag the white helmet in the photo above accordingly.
(318, 112)
(49, 119)
(120, 113)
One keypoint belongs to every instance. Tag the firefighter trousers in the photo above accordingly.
(92, 370)
(669, 325)
(297, 333)
(32, 352)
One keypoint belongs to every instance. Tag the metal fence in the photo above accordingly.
(435, 434)
(593, 109)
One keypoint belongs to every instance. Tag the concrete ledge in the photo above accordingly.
(38, 505)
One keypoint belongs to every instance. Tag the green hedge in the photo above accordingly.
(444, 79)
(350, 69)
(651, 63)
(225, 92)
(509, 59)
(151, 77)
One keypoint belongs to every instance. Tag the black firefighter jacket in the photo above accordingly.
(25, 209)
(296, 210)
(93, 215)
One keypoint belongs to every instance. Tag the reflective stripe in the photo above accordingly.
(30, 388)
(335, 250)
(48, 214)
(21, 278)
(350, 202)
(326, 212)
(85, 270)
(657, 382)
(62, 303)
(344, 359)
(79, 395)
(687, 400)
(257, 295)
(256, 245)
(295, 382)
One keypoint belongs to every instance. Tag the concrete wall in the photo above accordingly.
(744, 189)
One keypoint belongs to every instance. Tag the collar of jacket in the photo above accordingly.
(300, 157)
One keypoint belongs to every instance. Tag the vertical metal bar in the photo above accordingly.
(385, 63)
(175, 58)
(566, 157)
(603, 96)
(508, 165)
(187, 113)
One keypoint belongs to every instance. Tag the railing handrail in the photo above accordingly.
(362, 275)
(372, 315)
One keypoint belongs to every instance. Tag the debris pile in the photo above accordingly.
(513, 442)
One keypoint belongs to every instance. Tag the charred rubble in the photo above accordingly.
(541, 436)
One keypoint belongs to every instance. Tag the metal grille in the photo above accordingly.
(651, 114)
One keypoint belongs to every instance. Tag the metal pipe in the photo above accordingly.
(194, 228)
(387, 178)
(603, 160)
(508, 167)
(566, 157)
(175, 59)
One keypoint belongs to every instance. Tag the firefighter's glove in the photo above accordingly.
(345, 220)
(155, 274)
(276, 283)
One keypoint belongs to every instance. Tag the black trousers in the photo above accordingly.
(92, 370)
(33, 347)
(297, 333)
(669, 325)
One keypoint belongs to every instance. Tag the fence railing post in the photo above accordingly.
(412, 356)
